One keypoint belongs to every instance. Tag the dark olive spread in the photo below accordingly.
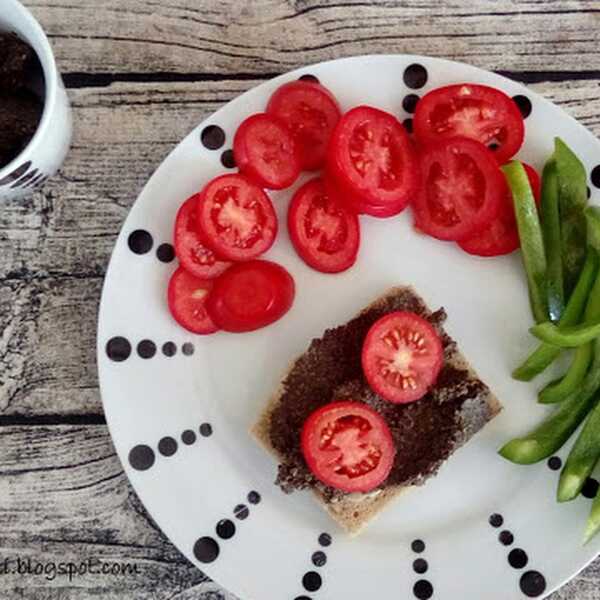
(425, 432)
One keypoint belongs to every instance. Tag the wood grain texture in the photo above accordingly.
(143, 74)
(209, 37)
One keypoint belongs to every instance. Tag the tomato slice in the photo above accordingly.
(479, 112)
(236, 219)
(463, 189)
(402, 357)
(348, 446)
(372, 160)
(501, 236)
(311, 112)
(324, 232)
(187, 297)
(193, 255)
(251, 295)
(266, 152)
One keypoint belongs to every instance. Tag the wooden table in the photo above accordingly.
(141, 75)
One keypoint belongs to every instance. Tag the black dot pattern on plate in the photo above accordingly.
(588, 192)
(118, 349)
(213, 137)
(309, 77)
(524, 104)
(554, 463)
(206, 550)
(241, 512)
(225, 529)
(140, 241)
(188, 437)
(506, 538)
(228, 159)
(16, 174)
(254, 497)
(517, 558)
(165, 253)
(420, 566)
(595, 176)
(409, 104)
(141, 457)
(26, 179)
(169, 349)
(325, 540)
(302, 598)
(590, 488)
(167, 446)
(423, 589)
(496, 520)
(408, 125)
(187, 349)
(146, 349)
(415, 76)
(312, 581)
(533, 584)
(319, 558)
(206, 430)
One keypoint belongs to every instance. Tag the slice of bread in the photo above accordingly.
(353, 511)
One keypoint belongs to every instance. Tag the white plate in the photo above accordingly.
(227, 380)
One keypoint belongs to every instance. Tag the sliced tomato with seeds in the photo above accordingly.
(236, 218)
(402, 357)
(501, 236)
(462, 191)
(371, 158)
(311, 112)
(251, 295)
(325, 234)
(193, 255)
(266, 152)
(187, 296)
(479, 112)
(348, 446)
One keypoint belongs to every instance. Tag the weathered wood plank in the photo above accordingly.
(79, 506)
(204, 36)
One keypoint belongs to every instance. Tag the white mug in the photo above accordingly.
(47, 149)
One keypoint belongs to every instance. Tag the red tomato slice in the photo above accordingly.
(501, 236)
(236, 219)
(266, 152)
(311, 112)
(478, 112)
(187, 297)
(251, 295)
(371, 158)
(348, 446)
(402, 357)
(463, 189)
(193, 255)
(324, 233)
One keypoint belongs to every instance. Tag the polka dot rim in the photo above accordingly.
(420, 566)
(418, 546)
(254, 497)
(554, 463)
(595, 176)
(141, 457)
(506, 538)
(206, 550)
(524, 104)
(408, 125)
(518, 558)
(496, 520)
(169, 349)
(213, 137)
(325, 540)
(187, 349)
(188, 437)
(415, 76)
(228, 159)
(532, 584)
(206, 430)
(165, 253)
(118, 349)
(146, 349)
(590, 488)
(309, 77)
(167, 446)
(241, 512)
(423, 589)
(319, 559)
(140, 241)
(409, 104)
(312, 581)
(225, 529)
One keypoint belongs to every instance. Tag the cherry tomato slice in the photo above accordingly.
(348, 446)
(478, 112)
(462, 191)
(266, 152)
(187, 297)
(311, 112)
(193, 255)
(402, 357)
(501, 236)
(236, 219)
(251, 295)
(371, 158)
(325, 234)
